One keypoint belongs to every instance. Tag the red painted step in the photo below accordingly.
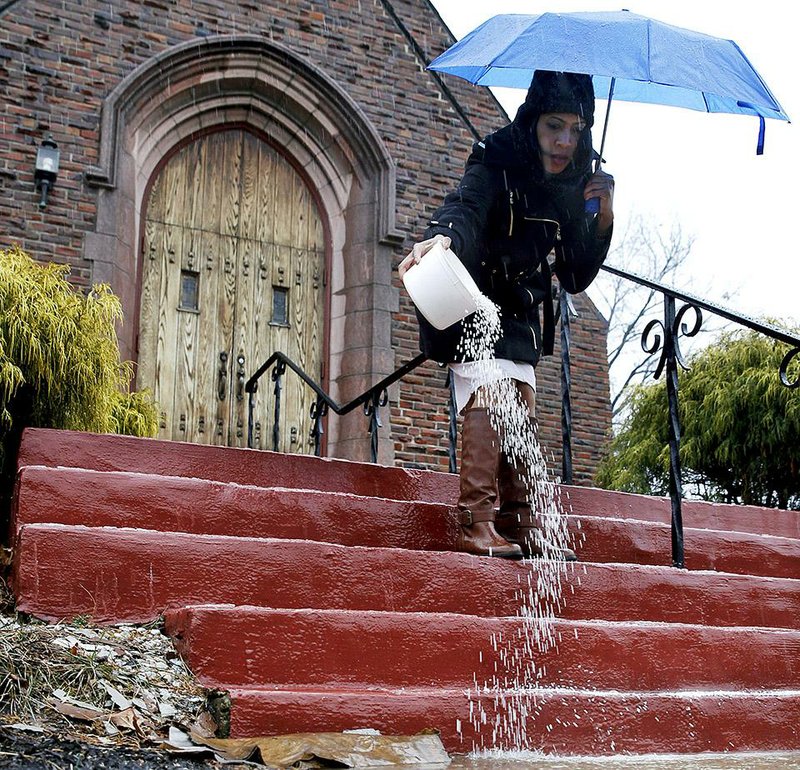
(176, 504)
(123, 499)
(755, 520)
(54, 448)
(563, 722)
(252, 646)
(108, 452)
(133, 575)
(626, 540)
(383, 627)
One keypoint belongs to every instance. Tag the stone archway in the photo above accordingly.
(246, 80)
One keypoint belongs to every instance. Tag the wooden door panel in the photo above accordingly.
(229, 178)
(230, 223)
(211, 413)
(251, 183)
(187, 334)
(246, 327)
(257, 336)
(218, 293)
(166, 328)
(209, 344)
(244, 333)
(268, 195)
(148, 311)
(192, 319)
(193, 168)
(188, 309)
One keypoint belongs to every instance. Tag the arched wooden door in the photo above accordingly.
(233, 270)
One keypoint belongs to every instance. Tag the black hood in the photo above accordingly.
(548, 92)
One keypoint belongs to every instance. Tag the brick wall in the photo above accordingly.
(59, 60)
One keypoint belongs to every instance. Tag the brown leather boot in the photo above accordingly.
(515, 520)
(479, 537)
(480, 455)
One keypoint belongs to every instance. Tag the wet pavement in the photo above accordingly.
(532, 761)
(23, 751)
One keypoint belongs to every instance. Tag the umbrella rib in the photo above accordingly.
(755, 72)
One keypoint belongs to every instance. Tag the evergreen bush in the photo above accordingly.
(740, 428)
(60, 364)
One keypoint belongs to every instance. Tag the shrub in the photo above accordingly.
(740, 428)
(59, 358)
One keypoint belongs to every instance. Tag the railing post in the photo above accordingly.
(277, 375)
(452, 432)
(251, 405)
(675, 480)
(377, 399)
(318, 411)
(566, 390)
(671, 357)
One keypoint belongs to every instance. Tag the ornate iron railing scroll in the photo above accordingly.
(377, 399)
(671, 357)
(372, 399)
(668, 342)
(784, 369)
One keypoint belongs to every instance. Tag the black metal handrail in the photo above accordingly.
(664, 336)
(691, 299)
(672, 327)
(371, 399)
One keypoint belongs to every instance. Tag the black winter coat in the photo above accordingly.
(503, 224)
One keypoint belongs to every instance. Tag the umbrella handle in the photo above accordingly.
(592, 206)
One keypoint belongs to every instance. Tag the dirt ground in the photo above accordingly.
(74, 696)
(52, 752)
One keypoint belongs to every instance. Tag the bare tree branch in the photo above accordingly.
(657, 253)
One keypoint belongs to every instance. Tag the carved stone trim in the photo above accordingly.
(248, 69)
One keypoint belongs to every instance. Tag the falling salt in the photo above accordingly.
(512, 695)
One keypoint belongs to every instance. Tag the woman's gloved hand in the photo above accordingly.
(601, 186)
(420, 250)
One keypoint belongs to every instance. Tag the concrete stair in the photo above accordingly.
(325, 595)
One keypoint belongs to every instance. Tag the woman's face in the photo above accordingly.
(558, 134)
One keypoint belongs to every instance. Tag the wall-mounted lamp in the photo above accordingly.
(46, 167)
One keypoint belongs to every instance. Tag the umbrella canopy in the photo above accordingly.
(640, 59)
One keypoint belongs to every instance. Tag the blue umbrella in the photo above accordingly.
(630, 57)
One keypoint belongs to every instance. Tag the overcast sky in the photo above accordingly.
(675, 164)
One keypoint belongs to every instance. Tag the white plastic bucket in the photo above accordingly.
(441, 287)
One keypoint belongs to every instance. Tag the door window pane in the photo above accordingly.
(280, 306)
(190, 291)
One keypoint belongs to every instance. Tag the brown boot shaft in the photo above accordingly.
(480, 456)
(516, 521)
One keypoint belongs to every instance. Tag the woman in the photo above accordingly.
(522, 196)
